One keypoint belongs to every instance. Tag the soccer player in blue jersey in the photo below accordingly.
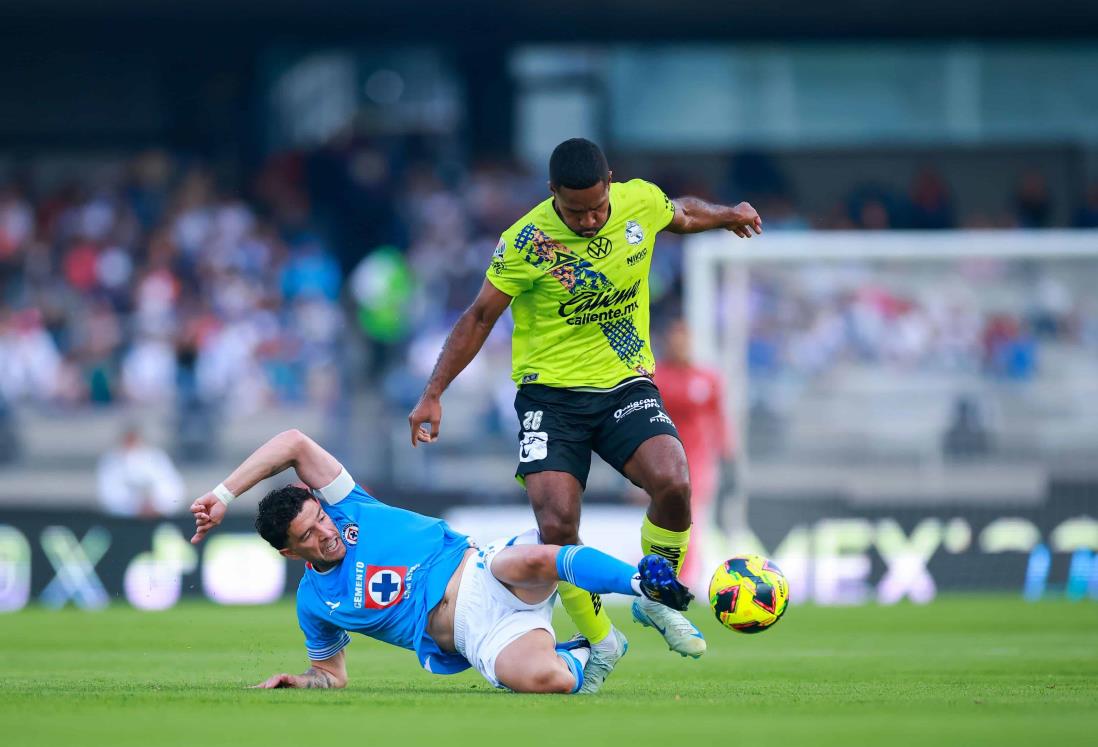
(412, 581)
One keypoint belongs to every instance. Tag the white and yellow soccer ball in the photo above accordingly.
(748, 593)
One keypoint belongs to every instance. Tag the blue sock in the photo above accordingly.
(575, 667)
(595, 571)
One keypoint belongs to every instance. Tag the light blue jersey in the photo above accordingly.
(394, 573)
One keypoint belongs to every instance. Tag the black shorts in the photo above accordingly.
(559, 428)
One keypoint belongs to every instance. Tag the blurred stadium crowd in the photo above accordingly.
(160, 283)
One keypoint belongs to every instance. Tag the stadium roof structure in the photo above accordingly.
(506, 21)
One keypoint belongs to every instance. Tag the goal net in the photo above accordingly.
(915, 412)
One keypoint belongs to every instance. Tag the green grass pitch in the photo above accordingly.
(964, 671)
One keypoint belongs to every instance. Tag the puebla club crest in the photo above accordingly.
(599, 247)
(634, 234)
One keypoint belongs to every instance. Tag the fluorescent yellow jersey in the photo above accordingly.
(581, 304)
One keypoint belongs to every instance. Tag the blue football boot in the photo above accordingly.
(660, 608)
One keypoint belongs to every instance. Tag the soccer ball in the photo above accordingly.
(748, 593)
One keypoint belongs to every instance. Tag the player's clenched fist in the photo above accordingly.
(745, 219)
(427, 410)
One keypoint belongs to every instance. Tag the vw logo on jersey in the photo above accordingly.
(634, 234)
(384, 585)
(599, 247)
(350, 534)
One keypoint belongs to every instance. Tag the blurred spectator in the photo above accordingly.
(148, 370)
(9, 434)
(872, 207)
(782, 214)
(136, 479)
(754, 176)
(931, 202)
(382, 286)
(311, 272)
(1032, 202)
(30, 364)
(147, 188)
(1010, 350)
(968, 434)
(1087, 214)
(197, 437)
(16, 230)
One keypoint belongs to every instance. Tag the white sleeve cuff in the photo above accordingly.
(339, 488)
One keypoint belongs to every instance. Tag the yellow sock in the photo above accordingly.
(669, 544)
(586, 611)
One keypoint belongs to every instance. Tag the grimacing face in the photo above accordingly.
(314, 537)
(584, 211)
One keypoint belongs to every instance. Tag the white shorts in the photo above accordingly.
(488, 616)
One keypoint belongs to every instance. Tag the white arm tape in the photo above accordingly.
(223, 494)
(339, 488)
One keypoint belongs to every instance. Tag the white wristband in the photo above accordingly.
(223, 494)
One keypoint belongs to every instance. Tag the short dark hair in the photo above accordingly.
(578, 164)
(277, 509)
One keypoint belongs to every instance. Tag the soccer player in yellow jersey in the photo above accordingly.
(575, 272)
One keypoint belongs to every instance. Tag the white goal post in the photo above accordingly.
(717, 267)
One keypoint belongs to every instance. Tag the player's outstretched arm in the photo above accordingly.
(329, 673)
(693, 215)
(463, 343)
(314, 466)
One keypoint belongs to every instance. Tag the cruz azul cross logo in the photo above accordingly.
(599, 247)
(384, 585)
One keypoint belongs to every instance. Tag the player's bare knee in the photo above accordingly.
(552, 679)
(670, 502)
(563, 682)
(673, 493)
(559, 529)
(292, 437)
(540, 563)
